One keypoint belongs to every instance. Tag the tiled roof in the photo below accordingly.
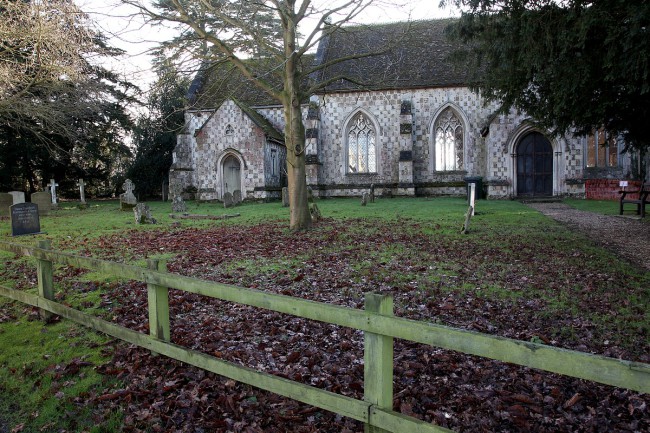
(219, 82)
(404, 55)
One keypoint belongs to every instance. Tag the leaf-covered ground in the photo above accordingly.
(556, 289)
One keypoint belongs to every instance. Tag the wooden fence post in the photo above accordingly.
(45, 279)
(378, 360)
(158, 298)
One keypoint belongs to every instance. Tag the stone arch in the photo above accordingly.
(525, 129)
(464, 123)
(348, 124)
(232, 158)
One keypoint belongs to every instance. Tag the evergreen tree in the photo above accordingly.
(155, 132)
(572, 65)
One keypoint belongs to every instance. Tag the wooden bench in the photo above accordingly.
(640, 201)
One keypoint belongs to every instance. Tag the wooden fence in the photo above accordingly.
(377, 321)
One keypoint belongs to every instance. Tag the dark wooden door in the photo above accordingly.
(534, 166)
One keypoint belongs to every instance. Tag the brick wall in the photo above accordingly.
(606, 189)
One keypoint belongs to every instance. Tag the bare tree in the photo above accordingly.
(46, 75)
(232, 30)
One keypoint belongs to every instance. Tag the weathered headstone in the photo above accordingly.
(227, 200)
(43, 200)
(82, 190)
(127, 199)
(364, 199)
(372, 193)
(176, 192)
(52, 186)
(315, 212)
(24, 219)
(142, 214)
(285, 197)
(6, 200)
(310, 195)
(236, 197)
(19, 196)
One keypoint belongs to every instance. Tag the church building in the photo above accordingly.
(401, 117)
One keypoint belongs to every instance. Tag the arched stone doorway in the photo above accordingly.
(231, 174)
(534, 166)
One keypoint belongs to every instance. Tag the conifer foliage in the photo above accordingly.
(570, 64)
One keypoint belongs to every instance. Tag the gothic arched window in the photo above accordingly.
(448, 133)
(362, 147)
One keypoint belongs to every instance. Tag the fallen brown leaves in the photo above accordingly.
(441, 279)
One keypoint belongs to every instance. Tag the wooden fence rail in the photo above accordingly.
(377, 321)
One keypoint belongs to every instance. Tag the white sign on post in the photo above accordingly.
(623, 184)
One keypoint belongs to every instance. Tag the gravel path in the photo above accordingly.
(628, 237)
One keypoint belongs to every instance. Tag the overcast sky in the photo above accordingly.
(126, 30)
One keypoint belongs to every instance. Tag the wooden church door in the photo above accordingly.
(534, 166)
(231, 175)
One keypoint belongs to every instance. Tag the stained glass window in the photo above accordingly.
(448, 142)
(362, 152)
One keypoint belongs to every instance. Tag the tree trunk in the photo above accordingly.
(294, 130)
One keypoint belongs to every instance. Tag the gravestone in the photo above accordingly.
(43, 200)
(372, 193)
(285, 197)
(19, 196)
(178, 204)
(364, 199)
(82, 190)
(315, 212)
(142, 214)
(6, 200)
(310, 195)
(236, 197)
(227, 200)
(52, 186)
(24, 219)
(127, 199)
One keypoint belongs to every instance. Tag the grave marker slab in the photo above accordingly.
(19, 196)
(24, 219)
(285, 197)
(227, 200)
(43, 200)
(6, 200)
(236, 197)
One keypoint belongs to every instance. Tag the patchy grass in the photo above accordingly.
(517, 274)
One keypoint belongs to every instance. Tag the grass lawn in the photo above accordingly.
(517, 274)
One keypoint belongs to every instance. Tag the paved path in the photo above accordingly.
(629, 237)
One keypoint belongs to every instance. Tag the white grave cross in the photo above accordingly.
(128, 186)
(52, 185)
(82, 190)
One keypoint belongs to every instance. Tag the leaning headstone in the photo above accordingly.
(236, 197)
(43, 200)
(372, 193)
(142, 214)
(310, 195)
(315, 212)
(52, 186)
(24, 219)
(6, 200)
(19, 196)
(285, 197)
(227, 200)
(82, 190)
(364, 199)
(127, 199)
